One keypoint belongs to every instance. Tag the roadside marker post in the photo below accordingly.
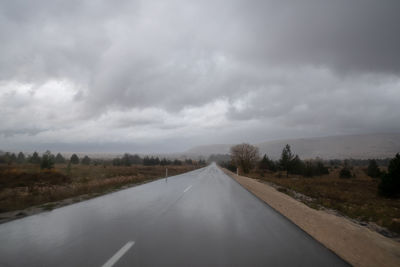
(237, 171)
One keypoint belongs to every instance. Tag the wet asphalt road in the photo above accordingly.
(201, 218)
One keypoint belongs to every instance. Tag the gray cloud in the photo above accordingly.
(189, 72)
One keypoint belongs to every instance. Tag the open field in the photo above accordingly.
(23, 186)
(356, 198)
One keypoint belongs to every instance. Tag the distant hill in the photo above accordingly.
(338, 147)
(208, 150)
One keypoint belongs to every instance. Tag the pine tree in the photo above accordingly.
(21, 158)
(59, 158)
(286, 161)
(390, 183)
(373, 169)
(35, 159)
(47, 161)
(86, 160)
(74, 159)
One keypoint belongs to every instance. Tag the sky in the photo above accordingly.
(164, 76)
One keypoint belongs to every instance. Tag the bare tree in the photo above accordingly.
(245, 156)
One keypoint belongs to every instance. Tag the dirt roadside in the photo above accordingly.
(354, 243)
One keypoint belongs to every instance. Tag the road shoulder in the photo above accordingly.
(354, 243)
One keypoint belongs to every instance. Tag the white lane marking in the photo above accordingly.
(187, 189)
(119, 254)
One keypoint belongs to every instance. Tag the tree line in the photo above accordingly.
(47, 160)
(246, 157)
(128, 160)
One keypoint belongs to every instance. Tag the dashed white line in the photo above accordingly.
(187, 189)
(119, 254)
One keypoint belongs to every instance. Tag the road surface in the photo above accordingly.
(200, 218)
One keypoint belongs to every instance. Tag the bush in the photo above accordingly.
(229, 165)
(373, 169)
(390, 182)
(345, 173)
(86, 160)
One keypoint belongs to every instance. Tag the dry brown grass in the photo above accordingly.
(23, 186)
(356, 197)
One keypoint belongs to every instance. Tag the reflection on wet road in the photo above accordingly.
(200, 218)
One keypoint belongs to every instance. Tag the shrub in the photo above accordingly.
(390, 182)
(373, 169)
(86, 160)
(345, 173)
(229, 165)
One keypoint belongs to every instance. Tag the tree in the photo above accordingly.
(373, 169)
(245, 156)
(35, 159)
(21, 158)
(297, 166)
(74, 159)
(390, 183)
(286, 161)
(47, 161)
(86, 160)
(9, 158)
(59, 158)
(313, 168)
(164, 162)
(117, 162)
(126, 160)
(177, 162)
(13, 158)
(345, 172)
(267, 164)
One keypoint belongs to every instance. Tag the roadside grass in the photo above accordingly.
(355, 197)
(23, 186)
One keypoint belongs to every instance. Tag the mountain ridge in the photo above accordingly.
(361, 146)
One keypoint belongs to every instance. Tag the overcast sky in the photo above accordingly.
(163, 76)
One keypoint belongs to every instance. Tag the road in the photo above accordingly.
(200, 218)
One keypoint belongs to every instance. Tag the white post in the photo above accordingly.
(237, 171)
(166, 172)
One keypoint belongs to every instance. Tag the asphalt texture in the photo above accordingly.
(200, 218)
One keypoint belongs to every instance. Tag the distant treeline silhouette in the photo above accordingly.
(47, 160)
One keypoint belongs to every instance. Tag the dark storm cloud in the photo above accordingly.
(354, 35)
(153, 70)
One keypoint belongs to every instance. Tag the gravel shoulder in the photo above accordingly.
(354, 243)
